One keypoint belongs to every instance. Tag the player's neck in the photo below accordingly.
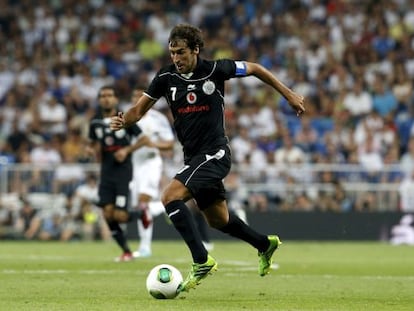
(190, 72)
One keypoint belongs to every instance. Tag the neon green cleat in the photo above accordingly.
(197, 273)
(265, 258)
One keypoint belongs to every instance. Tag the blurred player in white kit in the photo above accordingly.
(147, 173)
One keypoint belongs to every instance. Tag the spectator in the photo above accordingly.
(288, 153)
(307, 136)
(369, 156)
(28, 222)
(358, 101)
(8, 114)
(407, 159)
(17, 139)
(384, 101)
(241, 145)
(52, 116)
(87, 219)
(67, 175)
(51, 227)
(406, 192)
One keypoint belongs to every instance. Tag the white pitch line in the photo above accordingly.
(60, 271)
(225, 271)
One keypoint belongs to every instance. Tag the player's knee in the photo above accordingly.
(173, 194)
(107, 214)
(121, 216)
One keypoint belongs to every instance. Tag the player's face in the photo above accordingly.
(184, 59)
(107, 99)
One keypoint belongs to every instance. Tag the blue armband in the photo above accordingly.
(241, 68)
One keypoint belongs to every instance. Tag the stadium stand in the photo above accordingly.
(57, 54)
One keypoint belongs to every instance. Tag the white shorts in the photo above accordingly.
(146, 179)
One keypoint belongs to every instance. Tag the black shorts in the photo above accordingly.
(203, 175)
(112, 191)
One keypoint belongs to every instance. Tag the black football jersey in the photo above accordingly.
(111, 141)
(197, 102)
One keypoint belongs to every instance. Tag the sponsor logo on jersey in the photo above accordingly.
(190, 109)
(191, 87)
(191, 98)
(209, 87)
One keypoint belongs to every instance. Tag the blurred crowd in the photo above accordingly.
(353, 60)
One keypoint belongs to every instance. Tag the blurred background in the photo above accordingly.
(344, 170)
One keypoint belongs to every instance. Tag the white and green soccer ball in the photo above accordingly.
(163, 281)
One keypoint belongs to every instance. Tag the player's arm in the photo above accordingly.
(92, 149)
(133, 115)
(142, 140)
(295, 100)
(165, 135)
(163, 145)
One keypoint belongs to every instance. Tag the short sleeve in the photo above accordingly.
(228, 68)
(157, 87)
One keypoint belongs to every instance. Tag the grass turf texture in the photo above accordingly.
(311, 276)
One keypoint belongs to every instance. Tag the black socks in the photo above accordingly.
(239, 229)
(118, 235)
(201, 224)
(183, 221)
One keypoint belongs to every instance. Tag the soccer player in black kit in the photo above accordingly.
(194, 90)
(116, 166)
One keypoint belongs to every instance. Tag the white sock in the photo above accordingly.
(145, 236)
(156, 208)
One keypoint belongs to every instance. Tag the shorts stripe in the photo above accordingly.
(201, 164)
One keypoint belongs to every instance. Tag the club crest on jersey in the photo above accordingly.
(191, 98)
(109, 141)
(209, 87)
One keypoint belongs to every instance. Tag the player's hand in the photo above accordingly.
(117, 122)
(89, 151)
(297, 102)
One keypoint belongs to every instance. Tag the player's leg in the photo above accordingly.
(218, 217)
(156, 208)
(174, 197)
(107, 198)
(147, 177)
(121, 216)
(144, 230)
(201, 224)
(141, 176)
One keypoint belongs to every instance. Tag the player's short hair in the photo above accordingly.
(190, 34)
(108, 87)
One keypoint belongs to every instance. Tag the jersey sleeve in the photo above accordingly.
(157, 87)
(228, 68)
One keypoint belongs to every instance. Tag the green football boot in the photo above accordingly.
(265, 258)
(197, 273)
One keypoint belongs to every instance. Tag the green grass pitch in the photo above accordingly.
(308, 276)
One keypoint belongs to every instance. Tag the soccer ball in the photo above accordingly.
(163, 281)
